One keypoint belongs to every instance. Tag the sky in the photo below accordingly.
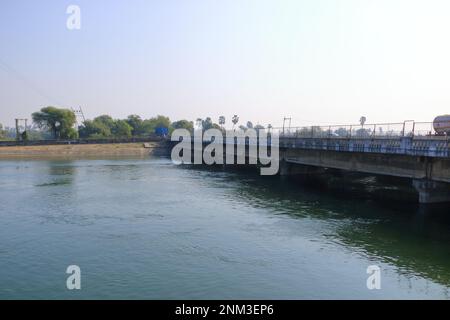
(319, 62)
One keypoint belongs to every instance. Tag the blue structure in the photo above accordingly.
(162, 131)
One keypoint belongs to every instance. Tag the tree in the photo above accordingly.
(342, 132)
(106, 120)
(116, 128)
(259, 127)
(363, 133)
(2, 132)
(149, 125)
(24, 136)
(161, 121)
(122, 129)
(207, 124)
(362, 121)
(136, 124)
(199, 122)
(59, 122)
(304, 132)
(235, 120)
(183, 124)
(105, 127)
(100, 127)
(94, 129)
(222, 121)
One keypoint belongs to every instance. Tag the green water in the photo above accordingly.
(147, 229)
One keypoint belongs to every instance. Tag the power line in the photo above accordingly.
(13, 72)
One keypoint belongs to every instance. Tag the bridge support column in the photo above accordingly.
(431, 191)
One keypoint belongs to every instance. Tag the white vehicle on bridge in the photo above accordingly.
(441, 125)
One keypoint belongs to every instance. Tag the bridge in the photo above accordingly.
(411, 150)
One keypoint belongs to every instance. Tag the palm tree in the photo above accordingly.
(235, 120)
(362, 121)
(222, 121)
(199, 123)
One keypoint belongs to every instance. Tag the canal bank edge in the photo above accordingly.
(157, 148)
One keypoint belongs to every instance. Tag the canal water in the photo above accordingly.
(147, 229)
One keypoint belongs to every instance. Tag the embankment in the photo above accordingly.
(159, 148)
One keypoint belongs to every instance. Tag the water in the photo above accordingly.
(144, 228)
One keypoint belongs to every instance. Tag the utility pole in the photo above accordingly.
(79, 114)
(17, 130)
(18, 134)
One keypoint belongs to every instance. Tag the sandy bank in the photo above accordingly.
(85, 150)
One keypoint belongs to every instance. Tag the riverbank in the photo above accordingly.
(85, 150)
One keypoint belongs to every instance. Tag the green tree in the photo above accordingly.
(235, 120)
(199, 122)
(149, 125)
(34, 134)
(161, 121)
(2, 132)
(106, 120)
(94, 129)
(122, 129)
(183, 124)
(136, 123)
(24, 136)
(58, 121)
(222, 121)
(207, 124)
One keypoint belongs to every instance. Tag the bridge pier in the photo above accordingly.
(432, 191)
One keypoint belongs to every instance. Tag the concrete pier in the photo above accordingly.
(432, 191)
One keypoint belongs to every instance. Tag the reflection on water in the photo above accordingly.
(413, 237)
(144, 228)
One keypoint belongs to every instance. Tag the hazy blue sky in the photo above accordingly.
(319, 61)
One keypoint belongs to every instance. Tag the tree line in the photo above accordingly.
(61, 123)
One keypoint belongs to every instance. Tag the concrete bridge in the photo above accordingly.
(422, 156)
(408, 150)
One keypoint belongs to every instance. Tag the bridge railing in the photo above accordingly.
(424, 129)
(358, 131)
